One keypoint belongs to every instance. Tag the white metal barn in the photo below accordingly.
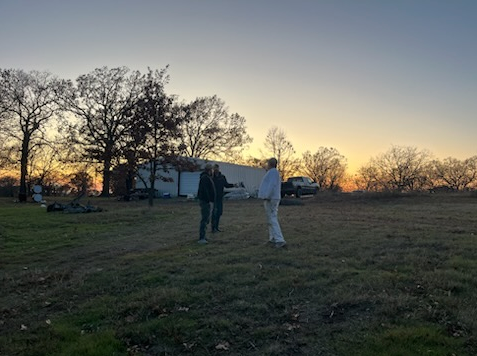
(187, 183)
(160, 185)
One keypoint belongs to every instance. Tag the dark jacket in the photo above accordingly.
(206, 190)
(220, 182)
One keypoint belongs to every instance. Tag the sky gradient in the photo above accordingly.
(356, 75)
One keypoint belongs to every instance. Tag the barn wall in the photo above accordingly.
(187, 183)
(249, 176)
(163, 187)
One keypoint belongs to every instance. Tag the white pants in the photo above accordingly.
(274, 231)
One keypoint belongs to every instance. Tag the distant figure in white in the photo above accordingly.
(269, 191)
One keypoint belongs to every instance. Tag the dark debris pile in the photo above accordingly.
(73, 208)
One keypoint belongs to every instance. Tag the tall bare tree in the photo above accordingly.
(28, 105)
(102, 101)
(326, 166)
(209, 130)
(278, 146)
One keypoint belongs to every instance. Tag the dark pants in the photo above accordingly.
(205, 217)
(217, 213)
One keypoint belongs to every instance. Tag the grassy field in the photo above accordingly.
(362, 275)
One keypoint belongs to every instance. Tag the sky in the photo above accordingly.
(360, 76)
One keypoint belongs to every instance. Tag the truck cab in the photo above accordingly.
(299, 186)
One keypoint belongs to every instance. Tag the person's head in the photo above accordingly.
(272, 163)
(216, 169)
(208, 169)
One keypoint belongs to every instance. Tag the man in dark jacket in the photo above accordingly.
(220, 182)
(206, 195)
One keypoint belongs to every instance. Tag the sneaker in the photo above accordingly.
(203, 241)
(280, 244)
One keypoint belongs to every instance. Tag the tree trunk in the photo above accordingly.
(22, 196)
(151, 194)
(152, 183)
(106, 178)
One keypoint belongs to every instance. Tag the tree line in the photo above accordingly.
(400, 169)
(107, 119)
(60, 133)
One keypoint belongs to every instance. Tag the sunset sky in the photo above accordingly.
(357, 75)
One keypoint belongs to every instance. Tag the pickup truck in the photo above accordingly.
(299, 186)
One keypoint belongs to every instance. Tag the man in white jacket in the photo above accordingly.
(270, 192)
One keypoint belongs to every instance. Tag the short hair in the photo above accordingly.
(273, 162)
(216, 165)
(208, 167)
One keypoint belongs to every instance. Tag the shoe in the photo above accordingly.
(203, 241)
(280, 244)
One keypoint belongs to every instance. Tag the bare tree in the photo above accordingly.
(102, 101)
(9, 154)
(456, 174)
(251, 161)
(45, 163)
(368, 178)
(209, 131)
(400, 169)
(326, 166)
(81, 181)
(278, 146)
(28, 104)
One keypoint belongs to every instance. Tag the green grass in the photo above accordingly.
(376, 275)
(410, 340)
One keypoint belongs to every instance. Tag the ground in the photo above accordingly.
(363, 274)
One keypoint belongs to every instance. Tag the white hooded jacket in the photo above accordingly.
(270, 187)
